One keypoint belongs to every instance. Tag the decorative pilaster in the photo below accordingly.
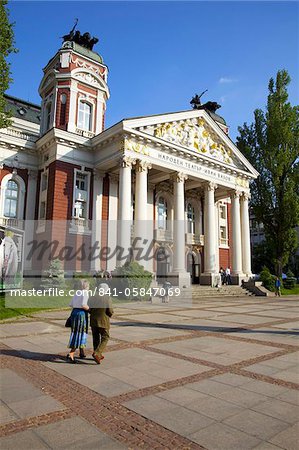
(30, 215)
(245, 232)
(236, 238)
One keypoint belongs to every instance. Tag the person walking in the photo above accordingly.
(79, 321)
(100, 313)
(277, 287)
(166, 287)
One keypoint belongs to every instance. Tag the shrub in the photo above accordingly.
(290, 281)
(132, 275)
(53, 276)
(267, 279)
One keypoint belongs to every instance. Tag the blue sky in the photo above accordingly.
(160, 53)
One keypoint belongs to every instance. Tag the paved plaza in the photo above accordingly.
(221, 373)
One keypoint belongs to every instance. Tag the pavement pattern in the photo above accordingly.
(221, 373)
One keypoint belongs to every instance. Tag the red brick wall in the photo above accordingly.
(225, 253)
(105, 217)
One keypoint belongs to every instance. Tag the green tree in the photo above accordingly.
(271, 144)
(6, 47)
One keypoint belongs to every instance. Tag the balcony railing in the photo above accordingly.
(163, 235)
(223, 242)
(85, 133)
(194, 239)
(80, 225)
(13, 223)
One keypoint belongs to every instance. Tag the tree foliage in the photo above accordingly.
(6, 47)
(271, 144)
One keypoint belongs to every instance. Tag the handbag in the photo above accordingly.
(68, 322)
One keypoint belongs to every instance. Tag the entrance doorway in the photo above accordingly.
(163, 264)
(193, 267)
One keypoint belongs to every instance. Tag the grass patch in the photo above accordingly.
(11, 306)
(293, 291)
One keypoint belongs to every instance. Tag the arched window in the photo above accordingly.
(84, 116)
(11, 199)
(162, 213)
(191, 218)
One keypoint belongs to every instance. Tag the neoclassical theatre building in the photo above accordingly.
(175, 180)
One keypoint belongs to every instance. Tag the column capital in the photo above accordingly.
(236, 194)
(179, 177)
(32, 174)
(98, 174)
(143, 166)
(127, 161)
(114, 178)
(211, 186)
(246, 196)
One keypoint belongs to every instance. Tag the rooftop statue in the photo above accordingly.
(85, 40)
(210, 106)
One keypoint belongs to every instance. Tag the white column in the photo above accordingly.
(217, 226)
(124, 214)
(30, 215)
(96, 219)
(181, 276)
(141, 232)
(209, 230)
(245, 232)
(236, 235)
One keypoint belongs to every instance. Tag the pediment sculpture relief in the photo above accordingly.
(194, 135)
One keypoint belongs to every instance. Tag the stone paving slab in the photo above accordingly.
(134, 333)
(25, 328)
(219, 436)
(20, 399)
(25, 440)
(219, 350)
(127, 370)
(271, 335)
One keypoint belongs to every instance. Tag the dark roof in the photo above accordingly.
(86, 52)
(22, 109)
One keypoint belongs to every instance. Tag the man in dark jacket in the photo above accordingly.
(100, 313)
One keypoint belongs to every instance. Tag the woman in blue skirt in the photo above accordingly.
(79, 321)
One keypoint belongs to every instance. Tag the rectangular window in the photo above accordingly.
(42, 210)
(43, 193)
(81, 195)
(223, 230)
(44, 181)
(84, 116)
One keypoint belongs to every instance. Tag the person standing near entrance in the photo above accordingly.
(100, 313)
(227, 276)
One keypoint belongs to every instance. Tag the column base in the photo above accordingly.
(181, 279)
(238, 278)
(210, 279)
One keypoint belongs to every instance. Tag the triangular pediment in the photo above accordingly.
(194, 131)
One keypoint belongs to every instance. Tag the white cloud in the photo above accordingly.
(223, 80)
